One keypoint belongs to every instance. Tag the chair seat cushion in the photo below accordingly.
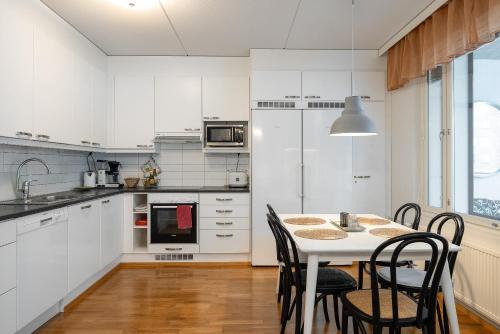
(408, 277)
(330, 278)
(362, 300)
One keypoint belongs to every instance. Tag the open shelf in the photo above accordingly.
(140, 227)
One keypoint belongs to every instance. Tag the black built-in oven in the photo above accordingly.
(164, 227)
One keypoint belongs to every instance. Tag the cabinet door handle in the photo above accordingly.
(205, 117)
(173, 249)
(45, 221)
(197, 129)
(144, 146)
(292, 96)
(223, 199)
(85, 142)
(223, 211)
(312, 97)
(224, 235)
(41, 136)
(86, 207)
(105, 202)
(215, 117)
(24, 134)
(365, 97)
(96, 144)
(224, 223)
(188, 129)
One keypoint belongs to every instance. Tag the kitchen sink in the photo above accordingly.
(41, 200)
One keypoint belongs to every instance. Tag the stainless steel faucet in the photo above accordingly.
(25, 190)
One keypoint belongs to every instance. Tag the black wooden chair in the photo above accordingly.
(409, 279)
(401, 212)
(390, 307)
(280, 266)
(331, 281)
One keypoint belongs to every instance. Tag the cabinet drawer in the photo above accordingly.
(7, 232)
(224, 199)
(8, 267)
(224, 211)
(8, 312)
(224, 241)
(224, 223)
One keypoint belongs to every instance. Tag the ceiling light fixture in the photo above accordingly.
(353, 120)
(131, 4)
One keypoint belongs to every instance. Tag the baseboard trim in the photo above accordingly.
(155, 265)
(477, 316)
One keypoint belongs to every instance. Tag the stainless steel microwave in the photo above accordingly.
(224, 135)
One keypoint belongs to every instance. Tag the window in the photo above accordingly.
(473, 119)
(435, 137)
(476, 117)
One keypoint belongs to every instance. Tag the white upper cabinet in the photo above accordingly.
(16, 73)
(99, 104)
(177, 105)
(276, 85)
(54, 74)
(226, 98)
(369, 85)
(134, 112)
(82, 104)
(326, 85)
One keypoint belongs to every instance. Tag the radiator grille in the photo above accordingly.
(174, 257)
(325, 105)
(476, 280)
(275, 105)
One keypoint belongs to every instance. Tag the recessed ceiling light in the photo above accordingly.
(131, 4)
(136, 4)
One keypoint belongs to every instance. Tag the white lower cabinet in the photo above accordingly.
(224, 223)
(8, 265)
(83, 242)
(224, 241)
(8, 312)
(111, 229)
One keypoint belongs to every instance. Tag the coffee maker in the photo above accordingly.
(108, 174)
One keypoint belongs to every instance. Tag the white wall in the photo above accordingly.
(406, 121)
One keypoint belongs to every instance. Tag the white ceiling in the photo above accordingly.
(232, 27)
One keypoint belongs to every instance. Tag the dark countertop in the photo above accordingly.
(16, 211)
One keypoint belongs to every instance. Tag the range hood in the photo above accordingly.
(177, 138)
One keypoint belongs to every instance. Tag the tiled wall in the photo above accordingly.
(66, 169)
(184, 165)
(181, 164)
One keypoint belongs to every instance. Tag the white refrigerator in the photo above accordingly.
(296, 167)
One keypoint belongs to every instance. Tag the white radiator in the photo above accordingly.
(477, 280)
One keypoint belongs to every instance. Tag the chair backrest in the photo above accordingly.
(275, 217)
(436, 225)
(430, 285)
(291, 260)
(403, 210)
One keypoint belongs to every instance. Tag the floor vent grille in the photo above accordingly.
(174, 257)
(326, 105)
(275, 105)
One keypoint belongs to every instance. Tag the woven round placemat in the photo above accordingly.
(321, 234)
(305, 221)
(386, 232)
(373, 221)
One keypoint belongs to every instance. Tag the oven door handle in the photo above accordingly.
(167, 206)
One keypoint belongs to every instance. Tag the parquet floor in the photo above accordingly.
(210, 299)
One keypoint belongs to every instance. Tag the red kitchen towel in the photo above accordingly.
(184, 219)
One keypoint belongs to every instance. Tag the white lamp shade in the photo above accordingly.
(353, 120)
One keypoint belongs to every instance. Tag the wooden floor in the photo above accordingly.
(182, 300)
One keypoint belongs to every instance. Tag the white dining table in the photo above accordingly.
(359, 246)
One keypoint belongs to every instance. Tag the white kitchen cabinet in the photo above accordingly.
(7, 232)
(111, 229)
(369, 85)
(276, 85)
(369, 165)
(81, 126)
(226, 98)
(326, 85)
(177, 105)
(8, 316)
(53, 73)
(83, 242)
(8, 267)
(16, 73)
(99, 107)
(224, 241)
(134, 112)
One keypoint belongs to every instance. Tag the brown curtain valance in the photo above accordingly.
(454, 29)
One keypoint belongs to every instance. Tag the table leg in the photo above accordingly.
(449, 299)
(312, 276)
